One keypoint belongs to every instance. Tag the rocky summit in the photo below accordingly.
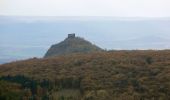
(70, 45)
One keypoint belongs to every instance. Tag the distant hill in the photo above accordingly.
(72, 45)
(38, 33)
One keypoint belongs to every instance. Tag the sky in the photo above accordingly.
(115, 8)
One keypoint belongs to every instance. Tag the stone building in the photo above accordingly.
(72, 35)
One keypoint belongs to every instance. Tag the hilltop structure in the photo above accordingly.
(72, 44)
(71, 35)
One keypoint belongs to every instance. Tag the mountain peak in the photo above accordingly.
(70, 45)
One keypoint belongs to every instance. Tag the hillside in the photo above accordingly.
(72, 45)
(114, 75)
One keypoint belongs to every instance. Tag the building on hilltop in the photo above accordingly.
(71, 45)
(72, 35)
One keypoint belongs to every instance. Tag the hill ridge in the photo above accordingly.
(70, 45)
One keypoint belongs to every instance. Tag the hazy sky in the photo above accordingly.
(117, 8)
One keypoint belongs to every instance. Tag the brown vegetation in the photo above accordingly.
(113, 75)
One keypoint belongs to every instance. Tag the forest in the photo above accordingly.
(106, 75)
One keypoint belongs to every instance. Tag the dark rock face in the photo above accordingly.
(71, 45)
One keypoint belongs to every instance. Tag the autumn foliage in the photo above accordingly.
(111, 75)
